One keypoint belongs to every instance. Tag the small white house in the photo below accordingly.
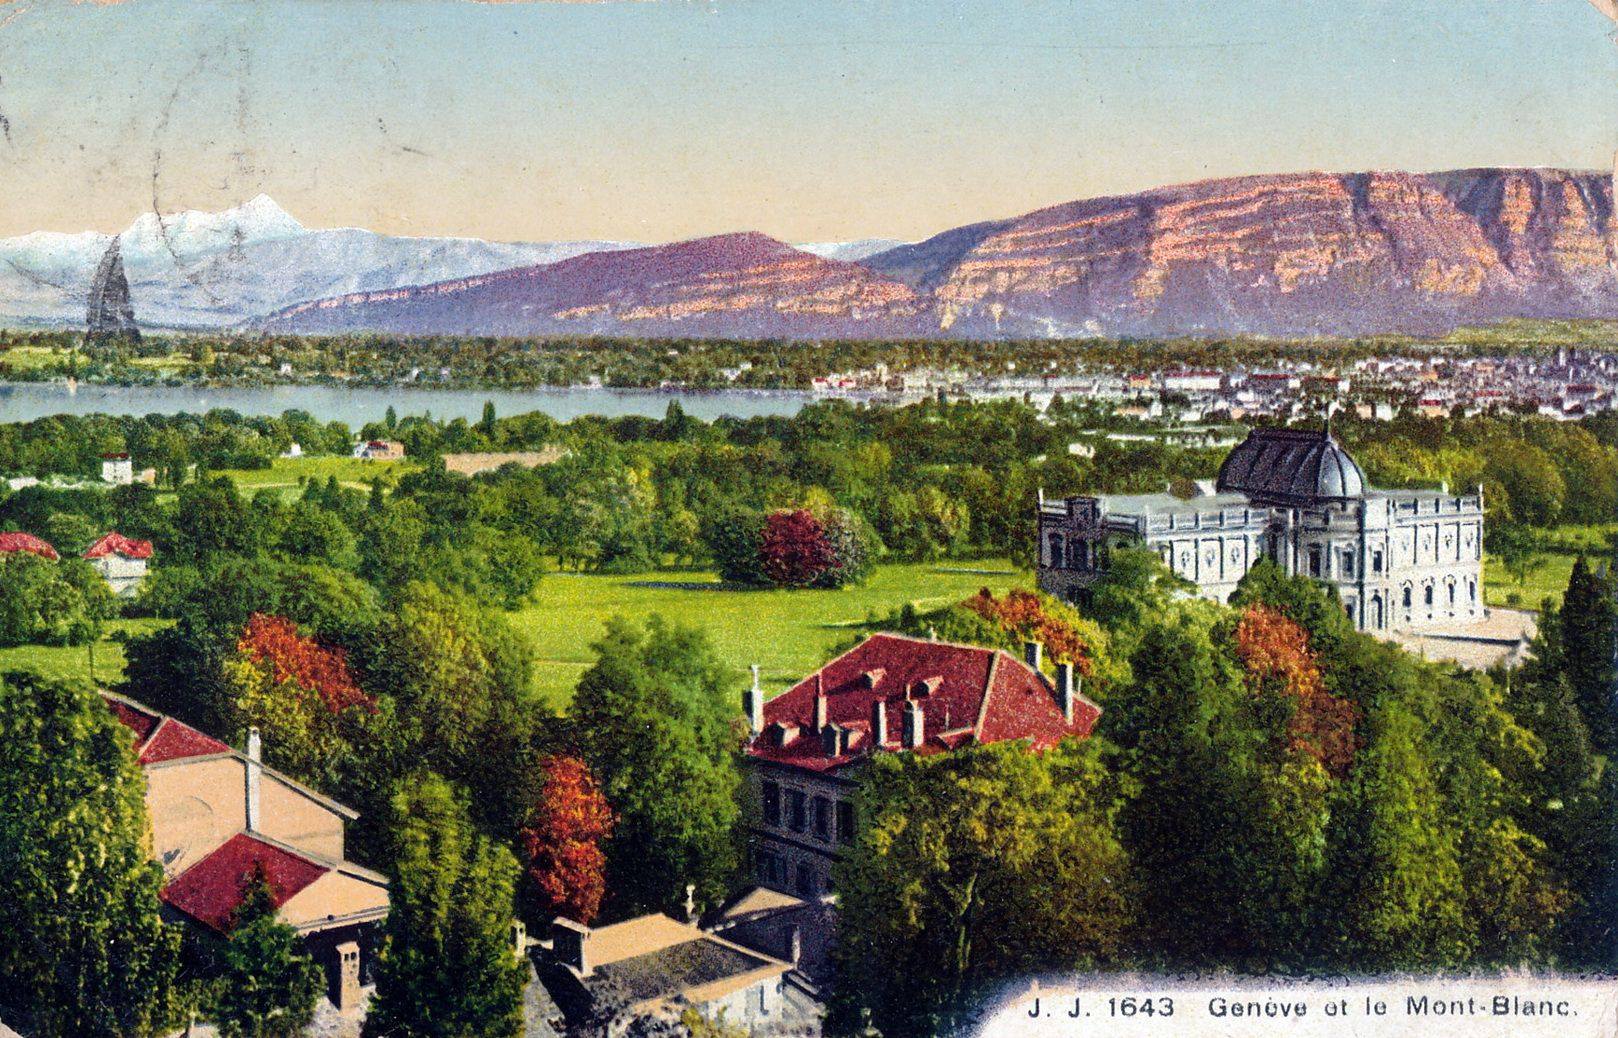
(117, 469)
(293, 451)
(121, 561)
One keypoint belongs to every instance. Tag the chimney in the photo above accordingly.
(1033, 654)
(1065, 691)
(795, 945)
(879, 722)
(753, 705)
(691, 903)
(254, 754)
(820, 712)
(570, 944)
(519, 938)
(915, 724)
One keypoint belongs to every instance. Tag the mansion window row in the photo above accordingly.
(794, 811)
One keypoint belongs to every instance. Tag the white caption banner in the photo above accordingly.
(1509, 1006)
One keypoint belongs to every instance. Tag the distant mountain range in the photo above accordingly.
(210, 270)
(1291, 254)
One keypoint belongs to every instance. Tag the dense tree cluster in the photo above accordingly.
(1268, 789)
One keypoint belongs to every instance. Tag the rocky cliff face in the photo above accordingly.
(1307, 253)
(744, 285)
(1310, 253)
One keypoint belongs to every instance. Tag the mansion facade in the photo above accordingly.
(1399, 559)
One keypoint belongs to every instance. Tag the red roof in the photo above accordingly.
(211, 890)
(159, 738)
(967, 694)
(116, 543)
(18, 541)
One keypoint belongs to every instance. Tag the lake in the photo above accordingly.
(25, 401)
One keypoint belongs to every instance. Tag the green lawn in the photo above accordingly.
(788, 633)
(74, 661)
(284, 473)
(1549, 581)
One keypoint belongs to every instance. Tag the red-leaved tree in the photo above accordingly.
(561, 843)
(1275, 655)
(274, 641)
(795, 551)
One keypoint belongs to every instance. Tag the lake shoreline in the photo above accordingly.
(356, 404)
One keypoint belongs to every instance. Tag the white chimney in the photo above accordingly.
(915, 724)
(1065, 690)
(753, 705)
(254, 755)
(795, 945)
(820, 712)
(879, 722)
(1033, 654)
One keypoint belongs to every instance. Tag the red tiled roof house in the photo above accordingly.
(889, 694)
(121, 561)
(15, 541)
(219, 817)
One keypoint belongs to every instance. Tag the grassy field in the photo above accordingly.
(284, 474)
(788, 633)
(74, 661)
(1549, 581)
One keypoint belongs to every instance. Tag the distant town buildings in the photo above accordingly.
(1399, 559)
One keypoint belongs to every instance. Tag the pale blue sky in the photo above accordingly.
(807, 119)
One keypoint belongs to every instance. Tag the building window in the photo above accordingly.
(772, 804)
(845, 821)
(797, 819)
(822, 818)
(1451, 595)
(769, 868)
(1427, 595)
(1314, 561)
(1472, 591)
(1348, 563)
(1055, 542)
(806, 881)
(1407, 596)
(1376, 561)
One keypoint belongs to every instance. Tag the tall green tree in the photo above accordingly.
(447, 967)
(86, 954)
(974, 867)
(268, 985)
(654, 726)
(1587, 626)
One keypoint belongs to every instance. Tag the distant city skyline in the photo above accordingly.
(810, 120)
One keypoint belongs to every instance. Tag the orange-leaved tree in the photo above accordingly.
(561, 843)
(1276, 659)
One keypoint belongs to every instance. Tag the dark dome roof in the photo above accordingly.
(1291, 466)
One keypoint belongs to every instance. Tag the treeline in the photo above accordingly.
(694, 363)
(1268, 790)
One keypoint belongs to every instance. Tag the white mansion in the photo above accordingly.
(1399, 559)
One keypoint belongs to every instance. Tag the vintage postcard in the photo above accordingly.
(709, 518)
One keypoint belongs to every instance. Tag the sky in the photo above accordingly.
(811, 120)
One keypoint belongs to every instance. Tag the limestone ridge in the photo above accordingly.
(1286, 254)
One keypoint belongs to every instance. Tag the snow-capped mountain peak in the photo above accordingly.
(191, 233)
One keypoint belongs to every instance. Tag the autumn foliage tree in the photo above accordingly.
(561, 845)
(1276, 659)
(299, 693)
(795, 551)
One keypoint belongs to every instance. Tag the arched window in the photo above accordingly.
(1472, 591)
(1451, 587)
(1376, 612)
(1407, 596)
(1055, 554)
(1427, 594)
